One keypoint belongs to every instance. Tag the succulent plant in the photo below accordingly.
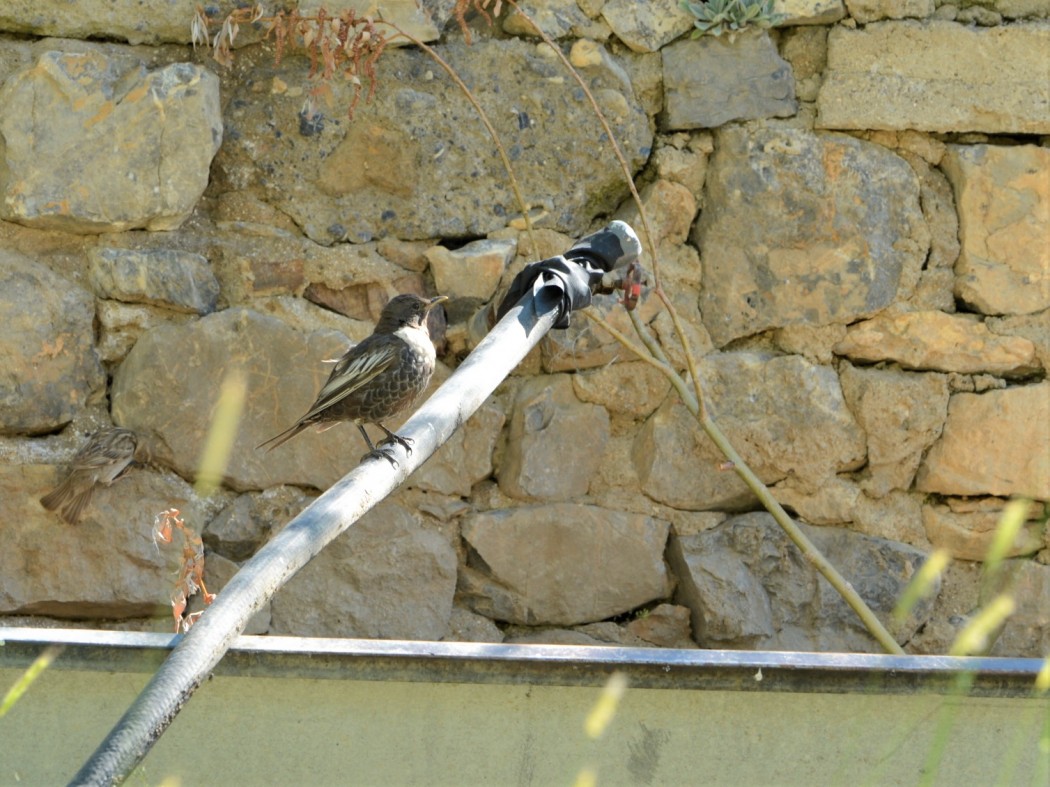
(715, 17)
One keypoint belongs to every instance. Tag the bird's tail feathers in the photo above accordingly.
(59, 495)
(283, 437)
(71, 497)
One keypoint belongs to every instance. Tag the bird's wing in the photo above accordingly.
(362, 364)
(94, 460)
(103, 450)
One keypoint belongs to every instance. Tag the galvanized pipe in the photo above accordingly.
(559, 665)
(326, 518)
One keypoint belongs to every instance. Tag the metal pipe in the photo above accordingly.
(327, 517)
(561, 665)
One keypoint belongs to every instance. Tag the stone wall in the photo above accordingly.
(851, 214)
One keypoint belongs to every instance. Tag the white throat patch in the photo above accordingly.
(417, 340)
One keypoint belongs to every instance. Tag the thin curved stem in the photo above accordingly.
(694, 399)
(483, 116)
(617, 150)
(761, 491)
(659, 362)
(642, 213)
(687, 351)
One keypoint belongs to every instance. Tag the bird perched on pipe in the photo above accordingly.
(377, 378)
(101, 460)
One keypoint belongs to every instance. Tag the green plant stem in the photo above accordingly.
(658, 352)
(794, 532)
(687, 350)
(659, 362)
(642, 213)
(617, 151)
(34, 671)
(693, 399)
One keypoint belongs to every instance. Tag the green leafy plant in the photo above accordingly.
(731, 16)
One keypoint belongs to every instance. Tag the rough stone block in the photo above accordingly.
(807, 228)
(563, 564)
(175, 279)
(865, 11)
(472, 271)
(90, 118)
(967, 528)
(940, 342)
(902, 414)
(809, 12)
(646, 27)
(994, 443)
(350, 181)
(50, 367)
(555, 442)
(748, 586)
(909, 75)
(710, 81)
(785, 416)
(1003, 199)
(170, 381)
(465, 458)
(106, 566)
(387, 577)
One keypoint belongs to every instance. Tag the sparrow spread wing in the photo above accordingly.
(104, 449)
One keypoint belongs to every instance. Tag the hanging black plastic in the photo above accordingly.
(572, 277)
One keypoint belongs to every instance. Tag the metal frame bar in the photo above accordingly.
(465, 662)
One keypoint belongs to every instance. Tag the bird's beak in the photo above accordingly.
(435, 301)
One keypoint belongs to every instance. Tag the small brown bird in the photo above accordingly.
(378, 378)
(101, 460)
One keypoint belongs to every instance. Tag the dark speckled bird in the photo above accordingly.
(377, 378)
